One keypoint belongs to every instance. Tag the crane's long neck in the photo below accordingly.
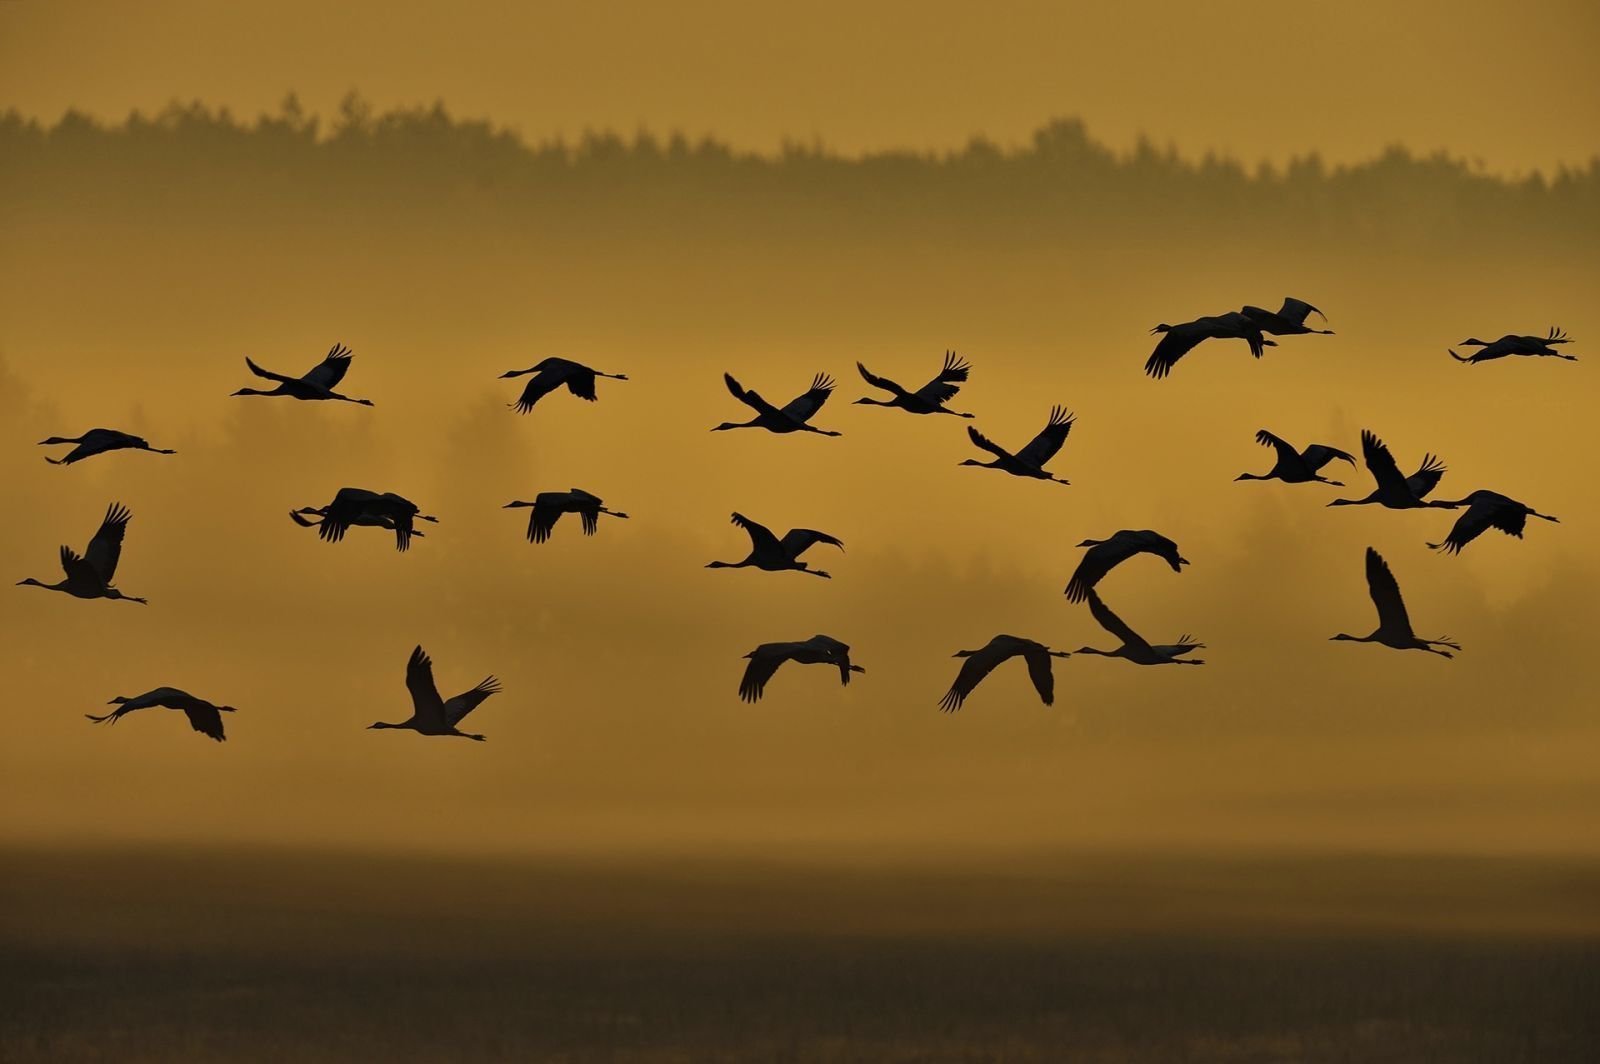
(1100, 653)
(31, 582)
(730, 565)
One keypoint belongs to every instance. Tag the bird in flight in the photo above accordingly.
(99, 441)
(1287, 320)
(358, 507)
(551, 374)
(775, 555)
(1394, 625)
(1181, 339)
(928, 399)
(548, 506)
(981, 662)
(318, 382)
(90, 576)
(1297, 467)
(204, 717)
(1533, 346)
(1030, 461)
(818, 650)
(792, 417)
(1394, 491)
(1485, 510)
(1104, 555)
(1134, 648)
(431, 715)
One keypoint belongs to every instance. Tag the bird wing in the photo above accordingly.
(944, 387)
(590, 516)
(1320, 454)
(748, 396)
(267, 373)
(1381, 463)
(1286, 453)
(204, 718)
(1175, 343)
(879, 382)
(1297, 309)
(973, 670)
(425, 700)
(580, 382)
(1114, 624)
(986, 443)
(1427, 476)
(106, 546)
(761, 537)
(797, 541)
(764, 661)
(1039, 671)
(1385, 591)
(1480, 516)
(803, 407)
(542, 519)
(1044, 446)
(331, 370)
(75, 567)
(539, 385)
(457, 708)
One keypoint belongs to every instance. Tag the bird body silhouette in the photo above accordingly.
(360, 508)
(1030, 461)
(548, 506)
(928, 399)
(1181, 339)
(1104, 555)
(552, 373)
(1297, 467)
(1394, 491)
(90, 576)
(1394, 624)
(204, 717)
(775, 555)
(99, 441)
(1485, 510)
(818, 650)
(794, 416)
(432, 715)
(1136, 648)
(981, 662)
(1531, 346)
(317, 383)
(1287, 320)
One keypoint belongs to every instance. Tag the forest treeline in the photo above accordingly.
(1063, 180)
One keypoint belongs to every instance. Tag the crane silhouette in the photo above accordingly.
(1394, 625)
(981, 662)
(1297, 467)
(1181, 339)
(1030, 461)
(360, 508)
(1287, 320)
(818, 650)
(1134, 647)
(90, 576)
(99, 441)
(431, 715)
(928, 399)
(1104, 555)
(318, 382)
(1485, 510)
(204, 717)
(1531, 346)
(548, 506)
(775, 555)
(1394, 491)
(792, 417)
(552, 373)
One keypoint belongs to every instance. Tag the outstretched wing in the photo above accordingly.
(748, 396)
(1427, 476)
(1175, 343)
(204, 718)
(331, 370)
(75, 567)
(1286, 453)
(1039, 671)
(1112, 623)
(944, 387)
(761, 537)
(1044, 446)
(1479, 517)
(763, 663)
(580, 382)
(803, 407)
(973, 670)
(986, 443)
(590, 516)
(267, 373)
(539, 385)
(879, 382)
(1297, 309)
(797, 541)
(1381, 463)
(1320, 454)
(542, 520)
(1385, 592)
(457, 708)
(424, 694)
(106, 547)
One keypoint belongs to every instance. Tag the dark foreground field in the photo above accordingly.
(166, 957)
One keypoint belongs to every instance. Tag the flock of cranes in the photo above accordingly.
(92, 574)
